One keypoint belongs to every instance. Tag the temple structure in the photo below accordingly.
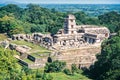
(75, 44)
(73, 36)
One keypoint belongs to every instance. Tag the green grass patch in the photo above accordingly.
(34, 48)
(3, 37)
(62, 76)
(40, 54)
(27, 61)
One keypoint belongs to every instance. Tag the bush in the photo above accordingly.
(38, 28)
(38, 74)
(74, 68)
(55, 66)
(67, 72)
(49, 59)
(47, 77)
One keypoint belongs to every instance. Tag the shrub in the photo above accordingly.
(38, 74)
(67, 71)
(55, 66)
(74, 68)
(49, 59)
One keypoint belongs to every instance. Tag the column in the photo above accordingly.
(87, 39)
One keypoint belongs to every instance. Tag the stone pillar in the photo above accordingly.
(18, 37)
(51, 42)
(38, 39)
(87, 39)
(91, 40)
(35, 37)
(30, 37)
(58, 42)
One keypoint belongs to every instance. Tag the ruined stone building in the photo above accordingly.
(75, 44)
(74, 36)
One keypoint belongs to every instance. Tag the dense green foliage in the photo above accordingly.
(108, 65)
(9, 68)
(10, 25)
(55, 66)
(34, 18)
(49, 59)
(67, 71)
(111, 20)
(82, 18)
(11, 8)
(74, 69)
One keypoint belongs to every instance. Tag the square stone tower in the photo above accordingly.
(70, 25)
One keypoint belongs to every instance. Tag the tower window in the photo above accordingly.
(71, 20)
(106, 35)
(71, 32)
(71, 26)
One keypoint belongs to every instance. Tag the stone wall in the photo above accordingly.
(35, 66)
(35, 62)
(82, 57)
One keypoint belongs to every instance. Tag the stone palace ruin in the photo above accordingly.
(76, 44)
(72, 36)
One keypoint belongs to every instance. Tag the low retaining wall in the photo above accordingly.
(81, 57)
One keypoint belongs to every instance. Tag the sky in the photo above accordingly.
(65, 1)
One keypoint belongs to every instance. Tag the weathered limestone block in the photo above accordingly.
(82, 57)
(12, 46)
(5, 43)
(41, 60)
(36, 65)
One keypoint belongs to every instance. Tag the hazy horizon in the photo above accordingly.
(63, 1)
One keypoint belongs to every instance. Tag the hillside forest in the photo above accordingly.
(33, 18)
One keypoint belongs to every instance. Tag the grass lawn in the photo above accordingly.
(34, 48)
(28, 61)
(2, 37)
(37, 55)
(62, 76)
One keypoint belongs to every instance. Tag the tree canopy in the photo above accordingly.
(108, 65)
(38, 19)
(9, 68)
(111, 20)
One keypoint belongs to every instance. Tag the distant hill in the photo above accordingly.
(90, 9)
(8, 2)
(12, 2)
